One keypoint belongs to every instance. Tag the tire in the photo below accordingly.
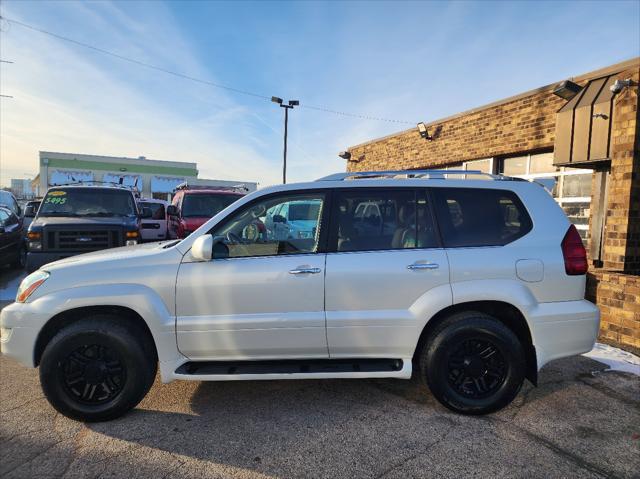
(21, 260)
(98, 368)
(473, 364)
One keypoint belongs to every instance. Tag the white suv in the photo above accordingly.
(473, 283)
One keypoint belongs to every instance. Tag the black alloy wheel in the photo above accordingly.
(93, 374)
(98, 368)
(473, 363)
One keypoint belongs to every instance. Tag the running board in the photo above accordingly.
(307, 367)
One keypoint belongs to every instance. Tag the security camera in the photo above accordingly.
(618, 85)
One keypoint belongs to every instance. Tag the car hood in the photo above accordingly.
(123, 254)
(83, 220)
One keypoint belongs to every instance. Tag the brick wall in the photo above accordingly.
(621, 245)
(524, 124)
(618, 296)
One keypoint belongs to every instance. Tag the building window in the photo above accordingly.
(572, 189)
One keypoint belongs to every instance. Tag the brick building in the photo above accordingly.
(582, 134)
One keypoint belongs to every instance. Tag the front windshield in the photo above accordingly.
(88, 202)
(203, 205)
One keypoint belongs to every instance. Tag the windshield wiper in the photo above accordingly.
(98, 213)
(59, 213)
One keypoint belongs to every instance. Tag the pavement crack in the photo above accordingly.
(571, 457)
(29, 401)
(413, 456)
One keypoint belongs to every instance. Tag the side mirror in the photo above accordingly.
(30, 212)
(202, 248)
(279, 219)
(146, 213)
(172, 210)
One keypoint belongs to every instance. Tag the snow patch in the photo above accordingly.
(616, 359)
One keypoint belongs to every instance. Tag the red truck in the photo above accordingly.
(193, 205)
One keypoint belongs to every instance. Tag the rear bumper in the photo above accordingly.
(562, 329)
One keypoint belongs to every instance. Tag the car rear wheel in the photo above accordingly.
(473, 364)
(98, 368)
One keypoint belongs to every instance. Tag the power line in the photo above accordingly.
(194, 79)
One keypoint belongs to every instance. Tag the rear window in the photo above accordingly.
(204, 205)
(479, 217)
(157, 210)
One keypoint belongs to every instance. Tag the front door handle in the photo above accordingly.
(423, 266)
(305, 271)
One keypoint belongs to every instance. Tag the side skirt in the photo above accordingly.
(350, 368)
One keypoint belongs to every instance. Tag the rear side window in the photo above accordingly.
(479, 217)
(370, 219)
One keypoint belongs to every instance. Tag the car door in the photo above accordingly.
(261, 296)
(5, 237)
(382, 272)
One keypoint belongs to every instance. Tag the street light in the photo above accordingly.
(291, 104)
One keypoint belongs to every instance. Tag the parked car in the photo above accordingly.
(154, 228)
(12, 247)
(30, 211)
(78, 218)
(192, 206)
(478, 286)
(296, 219)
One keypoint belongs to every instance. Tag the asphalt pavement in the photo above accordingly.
(582, 421)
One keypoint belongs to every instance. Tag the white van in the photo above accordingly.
(154, 228)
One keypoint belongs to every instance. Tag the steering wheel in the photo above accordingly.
(233, 238)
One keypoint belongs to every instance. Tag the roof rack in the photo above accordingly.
(98, 183)
(187, 186)
(408, 174)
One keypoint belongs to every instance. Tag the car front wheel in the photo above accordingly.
(98, 368)
(473, 363)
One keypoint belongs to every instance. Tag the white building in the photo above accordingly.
(154, 178)
(21, 188)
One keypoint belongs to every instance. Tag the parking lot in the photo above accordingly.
(582, 421)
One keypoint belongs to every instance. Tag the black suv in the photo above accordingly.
(75, 219)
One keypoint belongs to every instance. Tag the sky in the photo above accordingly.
(402, 61)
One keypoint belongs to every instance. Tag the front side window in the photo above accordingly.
(479, 217)
(88, 202)
(369, 220)
(205, 205)
(275, 226)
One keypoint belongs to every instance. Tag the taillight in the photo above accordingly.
(575, 256)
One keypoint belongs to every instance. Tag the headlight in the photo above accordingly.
(30, 284)
(35, 240)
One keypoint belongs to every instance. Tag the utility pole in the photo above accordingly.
(286, 107)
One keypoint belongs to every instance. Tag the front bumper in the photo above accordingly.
(20, 325)
(563, 328)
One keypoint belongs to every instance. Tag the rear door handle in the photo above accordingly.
(305, 271)
(423, 266)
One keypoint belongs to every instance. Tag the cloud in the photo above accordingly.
(72, 100)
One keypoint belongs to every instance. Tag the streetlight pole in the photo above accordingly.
(286, 107)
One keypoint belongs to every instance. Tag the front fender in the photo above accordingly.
(139, 298)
